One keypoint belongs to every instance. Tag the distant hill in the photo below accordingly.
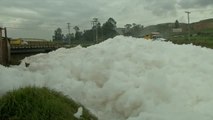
(166, 28)
(202, 25)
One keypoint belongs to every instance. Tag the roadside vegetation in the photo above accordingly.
(203, 39)
(32, 103)
(205, 42)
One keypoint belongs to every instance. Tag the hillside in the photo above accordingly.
(204, 26)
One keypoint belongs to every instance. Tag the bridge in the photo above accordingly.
(23, 49)
(14, 53)
(19, 52)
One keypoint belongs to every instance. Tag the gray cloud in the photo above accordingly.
(48, 10)
(46, 14)
(42, 17)
(195, 3)
(161, 8)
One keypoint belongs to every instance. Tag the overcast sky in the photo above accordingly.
(39, 18)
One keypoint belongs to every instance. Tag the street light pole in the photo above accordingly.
(95, 24)
(187, 12)
(68, 26)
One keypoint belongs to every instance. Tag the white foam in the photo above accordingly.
(125, 78)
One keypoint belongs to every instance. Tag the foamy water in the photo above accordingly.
(125, 78)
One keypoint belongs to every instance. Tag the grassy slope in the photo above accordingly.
(202, 38)
(204, 41)
(33, 103)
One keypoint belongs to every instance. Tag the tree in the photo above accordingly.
(78, 34)
(127, 30)
(108, 29)
(177, 25)
(128, 26)
(100, 32)
(76, 28)
(68, 38)
(88, 35)
(58, 36)
(134, 31)
(134, 24)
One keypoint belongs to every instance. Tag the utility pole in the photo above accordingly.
(95, 24)
(69, 35)
(4, 48)
(187, 12)
(1, 48)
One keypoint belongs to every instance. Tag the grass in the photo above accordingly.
(32, 103)
(204, 41)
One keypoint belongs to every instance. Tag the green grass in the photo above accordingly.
(204, 41)
(208, 30)
(32, 103)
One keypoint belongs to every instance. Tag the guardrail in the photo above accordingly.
(33, 48)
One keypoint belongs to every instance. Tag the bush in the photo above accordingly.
(33, 103)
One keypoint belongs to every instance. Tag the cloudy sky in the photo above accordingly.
(39, 18)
